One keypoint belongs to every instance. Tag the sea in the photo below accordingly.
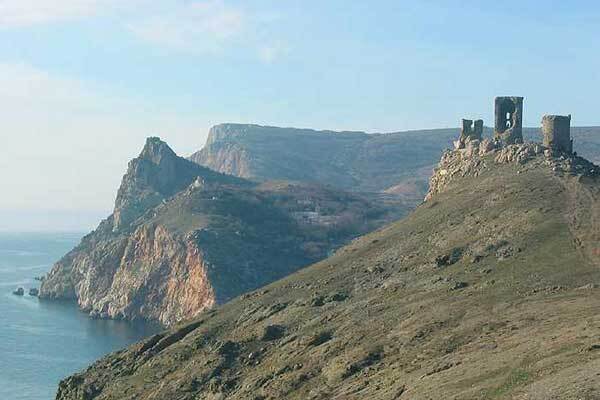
(42, 342)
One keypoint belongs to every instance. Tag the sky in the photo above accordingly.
(84, 82)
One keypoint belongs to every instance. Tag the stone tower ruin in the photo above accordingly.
(470, 131)
(557, 133)
(509, 120)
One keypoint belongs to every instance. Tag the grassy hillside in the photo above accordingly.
(486, 291)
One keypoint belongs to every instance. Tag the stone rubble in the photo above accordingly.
(472, 153)
(476, 155)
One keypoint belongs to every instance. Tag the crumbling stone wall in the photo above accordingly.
(472, 153)
(470, 131)
(557, 133)
(508, 127)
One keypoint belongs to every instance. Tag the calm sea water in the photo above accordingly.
(42, 342)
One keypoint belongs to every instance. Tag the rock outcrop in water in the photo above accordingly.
(183, 238)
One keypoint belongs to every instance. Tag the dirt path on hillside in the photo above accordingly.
(583, 214)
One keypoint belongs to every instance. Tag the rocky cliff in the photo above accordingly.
(488, 290)
(183, 238)
(155, 175)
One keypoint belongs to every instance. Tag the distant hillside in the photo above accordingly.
(350, 160)
(488, 290)
(399, 163)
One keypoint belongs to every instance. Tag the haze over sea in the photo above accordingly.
(42, 342)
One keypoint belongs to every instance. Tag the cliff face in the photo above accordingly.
(224, 152)
(151, 274)
(183, 238)
(487, 290)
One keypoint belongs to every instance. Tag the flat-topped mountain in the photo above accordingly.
(397, 163)
(487, 290)
(183, 238)
(349, 160)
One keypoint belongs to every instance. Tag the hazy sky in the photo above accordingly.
(83, 82)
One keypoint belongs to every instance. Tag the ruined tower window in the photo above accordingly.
(507, 110)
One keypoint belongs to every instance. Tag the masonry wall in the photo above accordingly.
(556, 130)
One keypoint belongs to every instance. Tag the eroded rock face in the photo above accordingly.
(224, 154)
(159, 276)
(151, 275)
